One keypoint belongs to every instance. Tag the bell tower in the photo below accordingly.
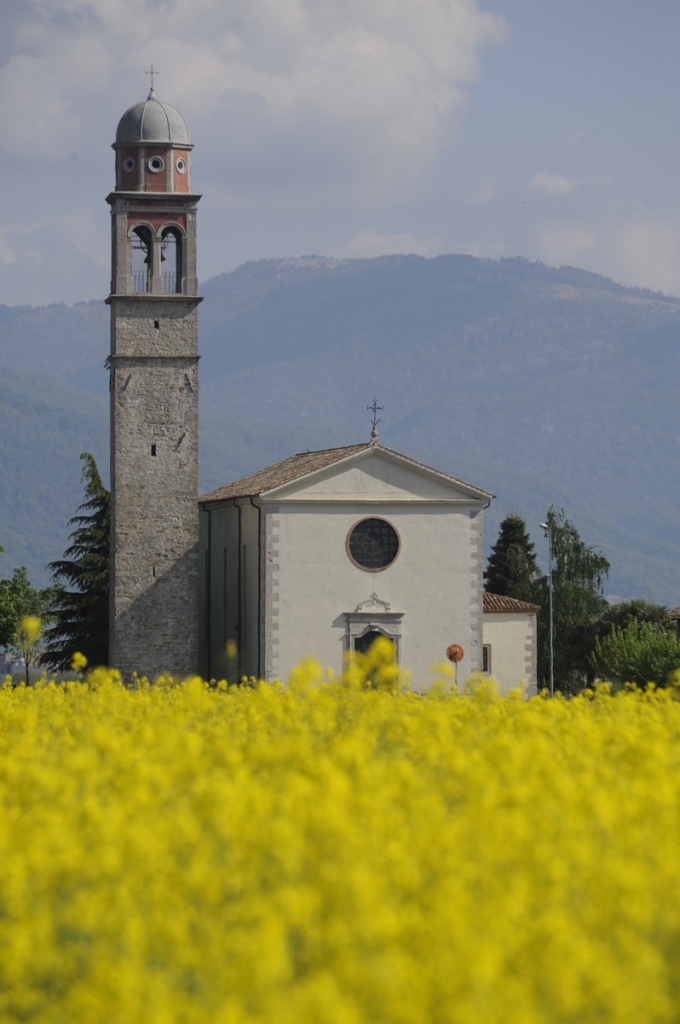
(154, 396)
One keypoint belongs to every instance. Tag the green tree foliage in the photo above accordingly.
(619, 616)
(641, 652)
(512, 570)
(27, 641)
(578, 574)
(80, 605)
(18, 599)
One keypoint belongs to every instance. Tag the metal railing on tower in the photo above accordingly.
(139, 280)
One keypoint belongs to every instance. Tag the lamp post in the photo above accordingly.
(548, 533)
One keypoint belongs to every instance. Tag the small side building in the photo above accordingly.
(510, 647)
(674, 616)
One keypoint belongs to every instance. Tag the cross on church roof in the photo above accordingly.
(152, 73)
(375, 409)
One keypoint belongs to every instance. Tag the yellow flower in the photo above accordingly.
(337, 851)
(78, 662)
(30, 627)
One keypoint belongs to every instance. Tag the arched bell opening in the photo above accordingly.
(140, 258)
(171, 260)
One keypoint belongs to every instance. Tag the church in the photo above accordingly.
(317, 554)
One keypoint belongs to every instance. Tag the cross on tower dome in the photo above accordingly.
(152, 73)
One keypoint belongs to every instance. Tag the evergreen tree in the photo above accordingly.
(578, 574)
(80, 606)
(512, 570)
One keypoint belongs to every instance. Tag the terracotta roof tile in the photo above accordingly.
(498, 603)
(281, 473)
(306, 462)
(675, 613)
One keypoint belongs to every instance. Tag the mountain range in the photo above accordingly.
(543, 385)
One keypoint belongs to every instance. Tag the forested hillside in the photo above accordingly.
(543, 385)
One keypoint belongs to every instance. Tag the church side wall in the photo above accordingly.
(511, 637)
(250, 590)
(219, 590)
(435, 581)
(203, 600)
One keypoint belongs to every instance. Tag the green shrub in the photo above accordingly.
(642, 653)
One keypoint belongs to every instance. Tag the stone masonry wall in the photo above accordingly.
(154, 477)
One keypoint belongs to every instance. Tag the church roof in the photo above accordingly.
(304, 463)
(152, 121)
(281, 473)
(499, 603)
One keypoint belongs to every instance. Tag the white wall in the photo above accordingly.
(512, 637)
(377, 477)
(435, 580)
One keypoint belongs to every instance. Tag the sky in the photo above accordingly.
(539, 128)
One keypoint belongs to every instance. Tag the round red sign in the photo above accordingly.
(455, 653)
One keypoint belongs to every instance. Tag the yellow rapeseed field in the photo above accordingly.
(330, 855)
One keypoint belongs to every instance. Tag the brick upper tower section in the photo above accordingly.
(154, 396)
(154, 209)
(153, 150)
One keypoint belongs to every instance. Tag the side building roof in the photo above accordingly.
(674, 613)
(499, 603)
(300, 465)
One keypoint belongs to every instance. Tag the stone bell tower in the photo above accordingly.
(154, 396)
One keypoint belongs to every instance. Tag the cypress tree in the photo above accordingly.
(80, 606)
(512, 570)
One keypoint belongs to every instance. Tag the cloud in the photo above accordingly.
(641, 251)
(566, 242)
(40, 109)
(552, 183)
(373, 243)
(298, 89)
(647, 252)
(485, 191)
(50, 241)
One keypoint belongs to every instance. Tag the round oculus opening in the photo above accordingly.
(181, 166)
(156, 164)
(373, 544)
(129, 164)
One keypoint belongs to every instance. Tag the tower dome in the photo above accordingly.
(152, 122)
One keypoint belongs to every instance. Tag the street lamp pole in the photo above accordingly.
(548, 533)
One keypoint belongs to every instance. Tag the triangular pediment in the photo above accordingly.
(377, 475)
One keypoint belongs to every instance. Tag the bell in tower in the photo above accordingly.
(154, 396)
